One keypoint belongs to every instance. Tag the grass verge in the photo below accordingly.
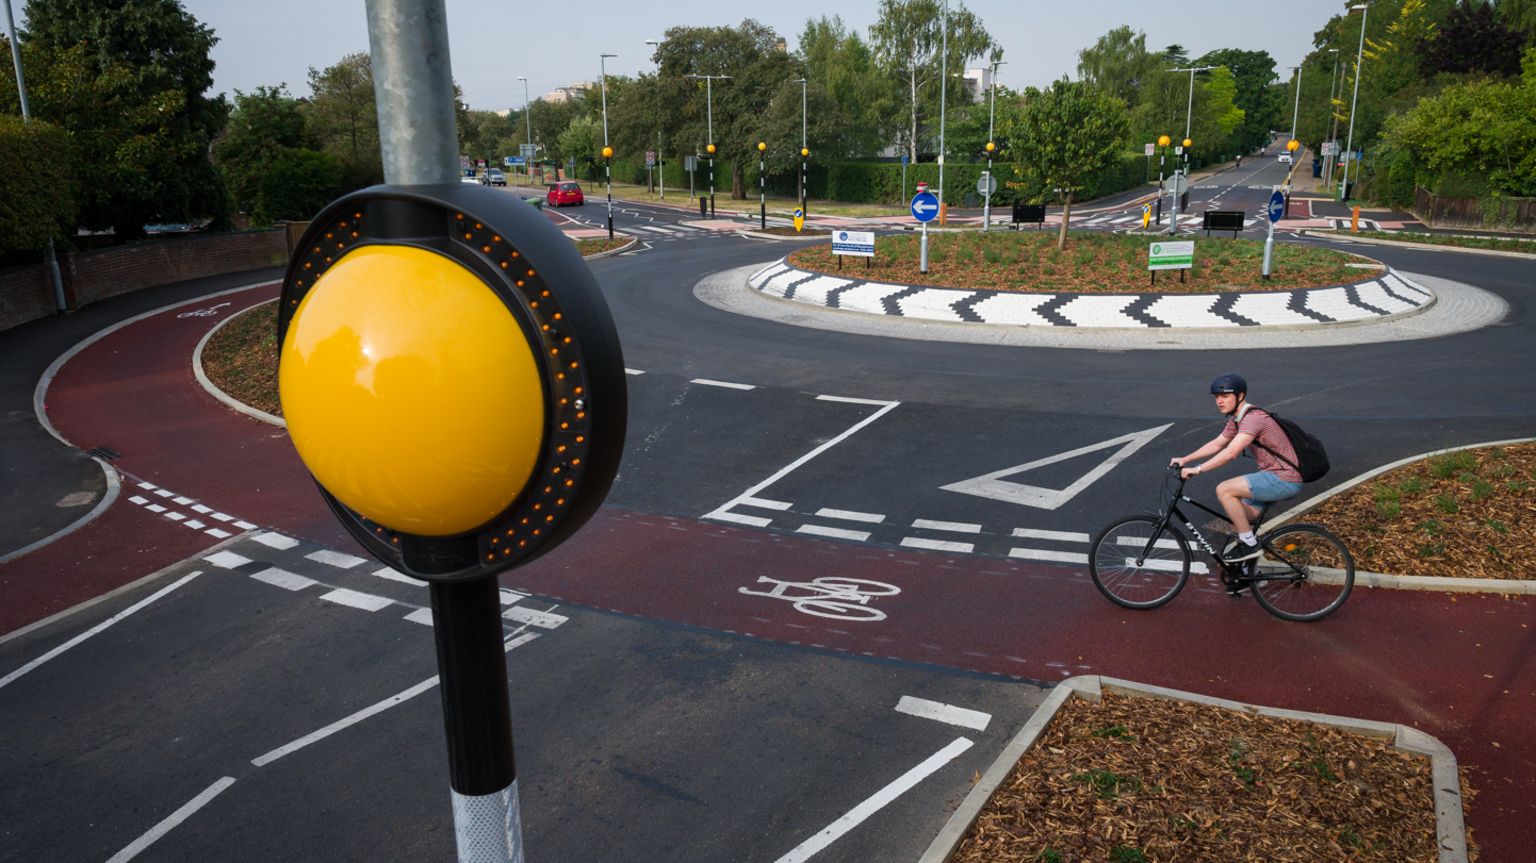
(1500, 244)
(1135, 780)
(1467, 514)
(1095, 263)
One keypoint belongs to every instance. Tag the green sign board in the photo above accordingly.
(1171, 256)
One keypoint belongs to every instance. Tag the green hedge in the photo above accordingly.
(37, 175)
(881, 182)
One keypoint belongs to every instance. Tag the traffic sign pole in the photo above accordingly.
(922, 259)
(1275, 211)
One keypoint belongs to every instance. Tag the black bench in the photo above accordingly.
(1029, 213)
(1223, 220)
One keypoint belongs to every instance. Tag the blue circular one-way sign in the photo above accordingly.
(925, 206)
(1276, 206)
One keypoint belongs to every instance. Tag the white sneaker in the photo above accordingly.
(1239, 551)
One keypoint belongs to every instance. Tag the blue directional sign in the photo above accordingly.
(515, 160)
(799, 213)
(1276, 207)
(925, 206)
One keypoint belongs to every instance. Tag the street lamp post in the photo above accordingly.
(527, 115)
(26, 117)
(1296, 108)
(762, 192)
(709, 110)
(1189, 115)
(986, 214)
(1333, 116)
(661, 163)
(1349, 147)
(804, 148)
(943, 90)
(602, 61)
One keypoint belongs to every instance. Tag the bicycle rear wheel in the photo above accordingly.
(1306, 573)
(1135, 569)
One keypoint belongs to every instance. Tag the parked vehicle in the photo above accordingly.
(563, 193)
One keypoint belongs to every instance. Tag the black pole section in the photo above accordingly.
(762, 197)
(711, 187)
(472, 668)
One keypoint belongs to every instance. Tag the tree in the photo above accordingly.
(1472, 39)
(582, 140)
(1065, 134)
(850, 106)
(344, 119)
(269, 159)
(909, 39)
(1253, 73)
(1119, 64)
(36, 203)
(149, 140)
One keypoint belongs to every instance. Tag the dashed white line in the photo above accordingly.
(952, 526)
(186, 811)
(633, 372)
(937, 545)
(175, 516)
(275, 540)
(1063, 535)
(335, 558)
(541, 619)
(218, 534)
(155, 507)
(947, 713)
(226, 559)
(358, 599)
(202, 510)
(245, 525)
(764, 503)
(138, 500)
(420, 615)
(1052, 555)
(194, 524)
(726, 384)
(738, 518)
(834, 532)
(853, 401)
(283, 578)
(393, 575)
(851, 515)
(181, 501)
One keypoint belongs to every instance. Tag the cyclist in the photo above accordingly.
(1239, 496)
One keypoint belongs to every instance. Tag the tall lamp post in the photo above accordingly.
(527, 115)
(1296, 108)
(602, 61)
(661, 163)
(943, 90)
(762, 191)
(1349, 147)
(1162, 152)
(1189, 116)
(709, 110)
(986, 214)
(1333, 117)
(804, 148)
(26, 117)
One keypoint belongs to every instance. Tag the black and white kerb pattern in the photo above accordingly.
(1375, 298)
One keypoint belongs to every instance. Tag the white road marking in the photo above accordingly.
(764, 503)
(510, 597)
(727, 384)
(274, 540)
(1063, 535)
(335, 558)
(218, 534)
(226, 559)
(857, 815)
(348, 721)
(175, 516)
(357, 599)
(194, 524)
(994, 487)
(853, 401)
(221, 516)
(1043, 554)
(245, 525)
(393, 575)
(937, 545)
(530, 617)
(203, 510)
(420, 615)
(163, 493)
(100, 627)
(155, 507)
(948, 713)
(850, 515)
(633, 372)
(138, 500)
(148, 485)
(725, 508)
(952, 526)
(283, 578)
(186, 811)
(738, 518)
(182, 501)
(834, 532)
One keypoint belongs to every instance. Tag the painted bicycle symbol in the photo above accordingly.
(829, 596)
(203, 313)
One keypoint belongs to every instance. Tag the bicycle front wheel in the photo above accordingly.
(1136, 564)
(1306, 573)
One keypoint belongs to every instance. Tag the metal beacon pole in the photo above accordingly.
(502, 427)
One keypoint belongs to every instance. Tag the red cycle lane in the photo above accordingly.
(1455, 666)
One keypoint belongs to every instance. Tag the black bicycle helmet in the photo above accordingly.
(1229, 383)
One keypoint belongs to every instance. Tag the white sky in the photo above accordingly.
(269, 42)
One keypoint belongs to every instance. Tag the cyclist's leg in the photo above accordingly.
(1231, 494)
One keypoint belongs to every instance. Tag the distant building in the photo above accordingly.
(561, 95)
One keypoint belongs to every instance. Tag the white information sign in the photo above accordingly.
(1150, 149)
(1171, 256)
(856, 243)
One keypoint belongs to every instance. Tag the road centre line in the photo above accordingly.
(135, 847)
(858, 814)
(948, 713)
(952, 526)
(725, 508)
(371, 710)
(98, 628)
(726, 384)
(850, 515)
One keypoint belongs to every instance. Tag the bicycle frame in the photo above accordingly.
(1171, 509)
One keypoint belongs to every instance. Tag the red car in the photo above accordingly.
(565, 192)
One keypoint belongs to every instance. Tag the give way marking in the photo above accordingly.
(993, 485)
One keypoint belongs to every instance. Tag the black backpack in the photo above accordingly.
(1311, 459)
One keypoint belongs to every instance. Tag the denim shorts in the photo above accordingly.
(1265, 487)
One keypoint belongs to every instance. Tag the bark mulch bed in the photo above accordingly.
(789, 231)
(241, 358)
(1092, 263)
(601, 244)
(1467, 514)
(1138, 780)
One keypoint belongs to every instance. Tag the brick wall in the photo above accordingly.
(26, 293)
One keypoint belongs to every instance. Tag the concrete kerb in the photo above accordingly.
(1416, 582)
(1404, 244)
(611, 252)
(213, 389)
(1450, 826)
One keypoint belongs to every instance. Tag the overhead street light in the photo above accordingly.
(1333, 119)
(527, 115)
(1349, 147)
(709, 146)
(804, 148)
(661, 163)
(602, 62)
(1189, 112)
(1296, 108)
(986, 215)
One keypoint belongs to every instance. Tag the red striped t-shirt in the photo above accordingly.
(1258, 422)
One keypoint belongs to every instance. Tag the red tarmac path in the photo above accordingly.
(1458, 667)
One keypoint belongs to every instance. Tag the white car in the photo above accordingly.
(1285, 158)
